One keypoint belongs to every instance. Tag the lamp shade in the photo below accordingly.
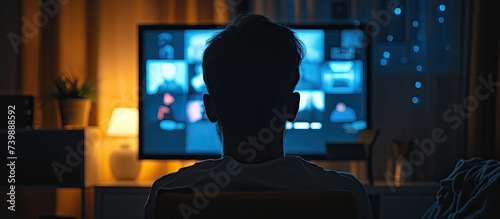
(123, 122)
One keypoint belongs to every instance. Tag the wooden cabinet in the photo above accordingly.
(40, 163)
(124, 200)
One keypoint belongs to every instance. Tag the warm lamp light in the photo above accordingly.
(124, 162)
(123, 122)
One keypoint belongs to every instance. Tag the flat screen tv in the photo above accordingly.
(334, 89)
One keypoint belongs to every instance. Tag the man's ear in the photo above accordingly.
(292, 107)
(209, 108)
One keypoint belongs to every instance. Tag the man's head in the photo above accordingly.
(251, 68)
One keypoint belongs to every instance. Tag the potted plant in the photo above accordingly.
(74, 100)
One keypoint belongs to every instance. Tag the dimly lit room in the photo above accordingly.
(249, 109)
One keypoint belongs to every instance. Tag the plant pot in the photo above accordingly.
(74, 112)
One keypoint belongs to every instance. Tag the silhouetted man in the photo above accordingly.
(251, 70)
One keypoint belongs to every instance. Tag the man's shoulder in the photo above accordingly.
(317, 169)
(293, 168)
(192, 169)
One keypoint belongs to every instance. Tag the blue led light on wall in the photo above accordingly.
(383, 62)
(419, 68)
(441, 19)
(442, 7)
(387, 54)
(390, 38)
(416, 48)
(403, 60)
(415, 100)
(397, 11)
(415, 23)
(357, 22)
(418, 84)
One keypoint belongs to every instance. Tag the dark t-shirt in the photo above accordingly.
(289, 173)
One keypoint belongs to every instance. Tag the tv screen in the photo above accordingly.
(334, 83)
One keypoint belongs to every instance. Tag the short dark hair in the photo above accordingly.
(249, 69)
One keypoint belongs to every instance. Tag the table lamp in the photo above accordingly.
(124, 162)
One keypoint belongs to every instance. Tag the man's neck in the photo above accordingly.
(251, 150)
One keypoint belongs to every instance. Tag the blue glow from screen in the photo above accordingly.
(387, 54)
(418, 84)
(196, 43)
(397, 11)
(415, 23)
(313, 40)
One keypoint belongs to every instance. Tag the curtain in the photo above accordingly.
(483, 102)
